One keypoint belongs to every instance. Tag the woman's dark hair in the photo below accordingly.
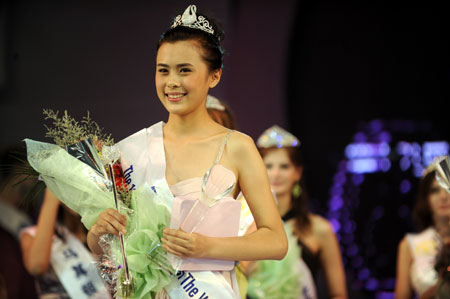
(210, 43)
(300, 203)
(422, 214)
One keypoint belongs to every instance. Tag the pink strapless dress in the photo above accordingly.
(226, 211)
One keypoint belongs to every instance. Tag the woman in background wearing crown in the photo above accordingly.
(178, 153)
(417, 251)
(318, 243)
(220, 112)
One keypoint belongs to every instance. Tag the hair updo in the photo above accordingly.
(210, 43)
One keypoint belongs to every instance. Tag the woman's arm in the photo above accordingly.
(330, 258)
(267, 242)
(403, 288)
(36, 249)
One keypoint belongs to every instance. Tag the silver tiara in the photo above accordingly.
(191, 20)
(277, 137)
(214, 103)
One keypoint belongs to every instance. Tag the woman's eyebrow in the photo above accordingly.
(178, 65)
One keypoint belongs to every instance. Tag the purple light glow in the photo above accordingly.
(362, 166)
(404, 148)
(371, 284)
(367, 150)
(340, 178)
(416, 148)
(363, 274)
(418, 170)
(384, 164)
(357, 261)
(388, 283)
(434, 149)
(357, 179)
(385, 137)
(337, 190)
(335, 225)
(404, 163)
(378, 213)
(416, 159)
(349, 227)
(375, 125)
(352, 250)
(360, 137)
(333, 214)
(405, 186)
(342, 166)
(385, 295)
(335, 203)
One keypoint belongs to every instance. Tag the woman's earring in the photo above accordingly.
(296, 190)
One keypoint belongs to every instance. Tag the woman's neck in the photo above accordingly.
(284, 203)
(441, 226)
(190, 124)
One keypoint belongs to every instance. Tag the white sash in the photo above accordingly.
(75, 267)
(143, 160)
(12, 219)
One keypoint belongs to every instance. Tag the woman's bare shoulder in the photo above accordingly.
(403, 245)
(320, 226)
(240, 143)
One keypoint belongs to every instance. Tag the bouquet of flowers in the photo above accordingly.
(83, 171)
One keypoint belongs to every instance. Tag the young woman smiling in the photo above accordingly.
(188, 64)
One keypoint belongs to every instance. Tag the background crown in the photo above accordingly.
(275, 136)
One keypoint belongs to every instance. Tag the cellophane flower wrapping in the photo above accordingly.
(275, 279)
(86, 192)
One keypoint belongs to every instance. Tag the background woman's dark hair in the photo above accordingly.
(213, 52)
(224, 118)
(300, 204)
(422, 215)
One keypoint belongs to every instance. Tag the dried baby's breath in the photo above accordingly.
(66, 130)
(124, 196)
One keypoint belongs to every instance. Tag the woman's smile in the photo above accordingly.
(175, 96)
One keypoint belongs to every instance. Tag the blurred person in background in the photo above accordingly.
(311, 237)
(15, 282)
(56, 253)
(220, 112)
(417, 252)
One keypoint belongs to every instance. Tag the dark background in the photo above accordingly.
(324, 70)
